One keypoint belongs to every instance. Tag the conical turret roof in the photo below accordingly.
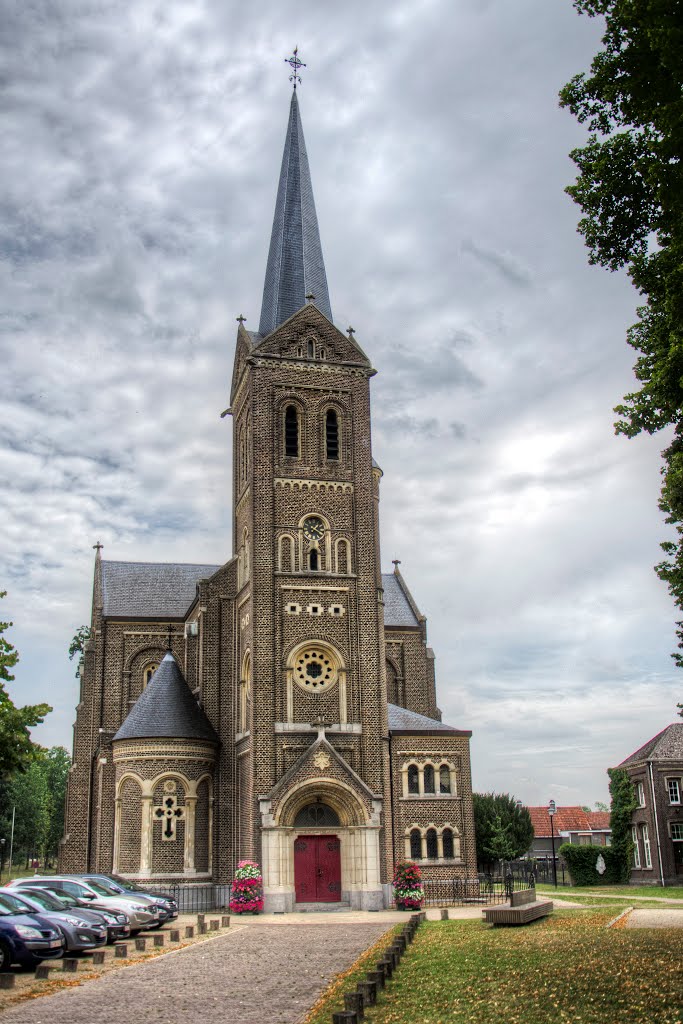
(295, 266)
(166, 708)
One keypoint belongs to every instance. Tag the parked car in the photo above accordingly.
(115, 921)
(80, 935)
(27, 939)
(117, 886)
(142, 915)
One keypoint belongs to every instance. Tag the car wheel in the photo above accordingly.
(5, 956)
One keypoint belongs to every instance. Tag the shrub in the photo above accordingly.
(247, 889)
(581, 861)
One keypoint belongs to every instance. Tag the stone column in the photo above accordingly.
(439, 845)
(423, 844)
(188, 852)
(146, 835)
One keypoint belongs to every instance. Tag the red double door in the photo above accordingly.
(317, 869)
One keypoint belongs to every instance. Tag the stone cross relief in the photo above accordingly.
(170, 813)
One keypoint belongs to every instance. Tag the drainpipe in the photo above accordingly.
(654, 808)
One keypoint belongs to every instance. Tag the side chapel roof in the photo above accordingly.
(402, 720)
(166, 708)
(399, 607)
(145, 590)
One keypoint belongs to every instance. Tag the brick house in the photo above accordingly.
(656, 770)
(571, 825)
(280, 706)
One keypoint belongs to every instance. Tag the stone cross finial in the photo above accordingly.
(396, 562)
(350, 331)
(241, 319)
(97, 547)
(310, 298)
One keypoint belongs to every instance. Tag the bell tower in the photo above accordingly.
(312, 691)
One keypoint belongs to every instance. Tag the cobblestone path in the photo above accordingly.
(261, 974)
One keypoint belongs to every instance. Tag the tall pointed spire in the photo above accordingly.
(295, 266)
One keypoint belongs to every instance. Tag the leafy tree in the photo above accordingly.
(77, 645)
(37, 794)
(503, 830)
(16, 746)
(630, 188)
(623, 804)
(600, 806)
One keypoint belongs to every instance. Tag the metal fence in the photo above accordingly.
(193, 899)
(485, 890)
(542, 870)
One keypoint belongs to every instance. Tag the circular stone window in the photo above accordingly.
(315, 669)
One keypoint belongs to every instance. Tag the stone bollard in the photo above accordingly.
(444, 914)
(400, 942)
(141, 945)
(43, 972)
(368, 989)
(160, 939)
(98, 956)
(408, 932)
(189, 931)
(225, 921)
(70, 965)
(214, 924)
(121, 950)
(345, 1017)
(378, 978)
(7, 980)
(201, 918)
(354, 1001)
(388, 962)
(175, 934)
(202, 927)
(423, 915)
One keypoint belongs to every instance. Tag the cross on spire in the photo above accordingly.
(241, 319)
(396, 562)
(295, 64)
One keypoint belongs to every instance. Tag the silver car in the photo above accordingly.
(141, 915)
(79, 933)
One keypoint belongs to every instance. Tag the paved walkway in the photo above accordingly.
(251, 975)
(662, 917)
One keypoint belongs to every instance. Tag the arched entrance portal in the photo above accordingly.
(317, 858)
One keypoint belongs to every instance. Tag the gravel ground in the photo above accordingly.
(264, 974)
(659, 918)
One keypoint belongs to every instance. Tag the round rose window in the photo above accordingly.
(315, 670)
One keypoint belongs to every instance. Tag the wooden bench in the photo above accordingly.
(523, 907)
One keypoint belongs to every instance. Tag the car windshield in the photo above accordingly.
(65, 898)
(124, 884)
(98, 888)
(43, 899)
(100, 885)
(13, 904)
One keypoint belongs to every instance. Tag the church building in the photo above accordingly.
(279, 707)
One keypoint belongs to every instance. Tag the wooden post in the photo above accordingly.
(159, 939)
(70, 965)
(175, 934)
(444, 914)
(378, 978)
(225, 921)
(42, 972)
(121, 950)
(214, 924)
(368, 990)
(353, 1001)
(98, 956)
(7, 980)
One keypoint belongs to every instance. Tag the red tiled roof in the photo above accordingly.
(567, 819)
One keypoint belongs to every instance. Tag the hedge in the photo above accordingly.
(581, 861)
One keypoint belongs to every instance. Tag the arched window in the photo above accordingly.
(413, 780)
(292, 432)
(444, 779)
(415, 844)
(432, 844)
(316, 816)
(429, 778)
(286, 554)
(343, 550)
(148, 671)
(331, 434)
(447, 840)
(245, 692)
(311, 350)
(313, 560)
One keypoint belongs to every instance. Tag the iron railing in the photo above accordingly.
(485, 890)
(193, 899)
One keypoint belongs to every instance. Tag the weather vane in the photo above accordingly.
(295, 64)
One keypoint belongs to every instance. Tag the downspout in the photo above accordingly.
(654, 808)
(387, 740)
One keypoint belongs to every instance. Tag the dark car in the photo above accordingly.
(115, 921)
(80, 934)
(27, 939)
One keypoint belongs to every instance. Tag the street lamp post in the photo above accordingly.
(551, 814)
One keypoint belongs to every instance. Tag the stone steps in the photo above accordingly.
(312, 908)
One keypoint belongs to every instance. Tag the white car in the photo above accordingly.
(142, 915)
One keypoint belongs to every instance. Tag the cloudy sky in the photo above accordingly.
(141, 150)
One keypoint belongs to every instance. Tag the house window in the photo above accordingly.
(428, 779)
(413, 779)
(674, 787)
(636, 847)
(292, 432)
(447, 840)
(331, 434)
(444, 779)
(584, 840)
(415, 844)
(646, 847)
(432, 844)
(677, 831)
(640, 794)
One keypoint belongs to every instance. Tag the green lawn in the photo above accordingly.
(669, 892)
(565, 967)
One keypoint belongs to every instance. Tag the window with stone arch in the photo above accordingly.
(245, 548)
(428, 775)
(432, 844)
(444, 779)
(332, 435)
(148, 671)
(447, 844)
(292, 432)
(342, 556)
(415, 844)
(392, 690)
(245, 693)
(285, 558)
(413, 779)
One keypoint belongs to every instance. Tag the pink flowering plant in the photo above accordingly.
(247, 889)
(408, 891)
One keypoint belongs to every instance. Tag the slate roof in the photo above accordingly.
(166, 707)
(295, 265)
(397, 608)
(150, 590)
(667, 745)
(567, 819)
(402, 720)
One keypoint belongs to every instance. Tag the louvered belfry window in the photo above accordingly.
(291, 432)
(332, 434)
